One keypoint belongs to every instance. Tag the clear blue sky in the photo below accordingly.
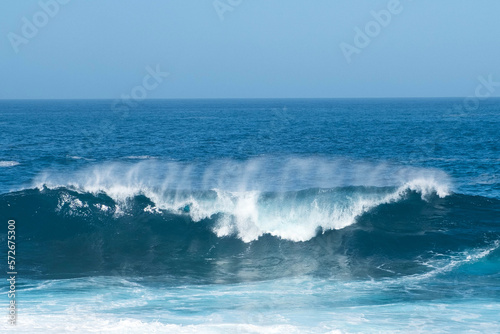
(262, 48)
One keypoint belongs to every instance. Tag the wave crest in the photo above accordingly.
(253, 198)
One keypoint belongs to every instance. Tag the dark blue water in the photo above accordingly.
(254, 215)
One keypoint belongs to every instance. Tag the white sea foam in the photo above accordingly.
(451, 262)
(8, 163)
(75, 157)
(73, 204)
(290, 305)
(102, 207)
(290, 198)
(139, 157)
(92, 324)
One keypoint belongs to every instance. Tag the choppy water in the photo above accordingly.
(253, 216)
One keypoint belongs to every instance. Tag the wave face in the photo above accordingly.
(177, 220)
(250, 199)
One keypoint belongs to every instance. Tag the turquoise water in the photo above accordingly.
(253, 216)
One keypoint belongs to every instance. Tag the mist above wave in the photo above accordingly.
(258, 174)
(289, 198)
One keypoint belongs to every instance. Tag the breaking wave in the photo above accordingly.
(238, 221)
(252, 199)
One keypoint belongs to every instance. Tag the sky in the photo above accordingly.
(64, 49)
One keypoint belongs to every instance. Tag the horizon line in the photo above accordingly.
(241, 98)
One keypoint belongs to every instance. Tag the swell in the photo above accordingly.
(289, 199)
(64, 232)
(247, 215)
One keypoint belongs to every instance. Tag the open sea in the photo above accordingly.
(252, 216)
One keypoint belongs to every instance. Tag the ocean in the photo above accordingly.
(251, 215)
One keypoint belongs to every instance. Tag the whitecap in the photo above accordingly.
(8, 163)
(287, 198)
(139, 157)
